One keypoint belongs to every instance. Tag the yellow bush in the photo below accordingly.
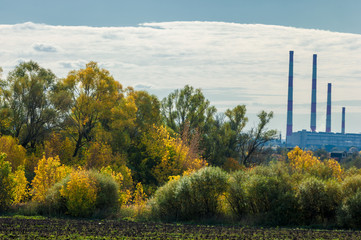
(80, 194)
(47, 173)
(304, 162)
(21, 189)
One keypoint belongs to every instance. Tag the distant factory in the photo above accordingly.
(313, 139)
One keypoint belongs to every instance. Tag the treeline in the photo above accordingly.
(85, 146)
(88, 119)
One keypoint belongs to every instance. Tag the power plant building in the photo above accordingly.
(313, 139)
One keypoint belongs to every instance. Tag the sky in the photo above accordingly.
(236, 51)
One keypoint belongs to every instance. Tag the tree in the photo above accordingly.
(187, 105)
(254, 140)
(29, 99)
(93, 92)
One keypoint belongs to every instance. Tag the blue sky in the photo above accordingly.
(235, 51)
(333, 15)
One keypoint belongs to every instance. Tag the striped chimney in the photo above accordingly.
(328, 116)
(314, 92)
(343, 120)
(290, 97)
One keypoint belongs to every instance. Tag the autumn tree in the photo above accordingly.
(93, 92)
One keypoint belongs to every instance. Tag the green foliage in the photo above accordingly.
(350, 213)
(29, 95)
(319, 200)
(270, 195)
(191, 197)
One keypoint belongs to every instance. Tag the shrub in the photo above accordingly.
(47, 173)
(319, 200)
(83, 194)
(21, 188)
(80, 194)
(350, 212)
(351, 185)
(6, 183)
(191, 197)
(237, 196)
(270, 196)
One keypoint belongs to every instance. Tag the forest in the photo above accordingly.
(85, 146)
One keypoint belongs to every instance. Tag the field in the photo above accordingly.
(29, 228)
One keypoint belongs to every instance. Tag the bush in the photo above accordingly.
(47, 173)
(191, 197)
(350, 212)
(83, 194)
(80, 194)
(270, 196)
(319, 200)
(6, 183)
(237, 196)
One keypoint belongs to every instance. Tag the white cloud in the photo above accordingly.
(233, 63)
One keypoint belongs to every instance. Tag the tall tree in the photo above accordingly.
(94, 92)
(28, 97)
(187, 106)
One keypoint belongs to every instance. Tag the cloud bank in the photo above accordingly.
(232, 63)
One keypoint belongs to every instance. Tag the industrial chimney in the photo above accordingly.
(328, 116)
(314, 92)
(290, 97)
(343, 120)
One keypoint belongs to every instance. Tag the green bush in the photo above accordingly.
(351, 185)
(349, 214)
(191, 197)
(319, 200)
(237, 196)
(270, 196)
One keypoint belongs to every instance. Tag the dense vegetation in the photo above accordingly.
(85, 146)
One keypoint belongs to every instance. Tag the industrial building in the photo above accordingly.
(313, 139)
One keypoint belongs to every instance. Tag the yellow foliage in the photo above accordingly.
(139, 197)
(15, 153)
(125, 194)
(80, 193)
(56, 146)
(98, 155)
(335, 167)
(171, 155)
(304, 162)
(47, 173)
(21, 189)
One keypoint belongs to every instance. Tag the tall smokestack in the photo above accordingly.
(328, 116)
(314, 92)
(343, 120)
(290, 97)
